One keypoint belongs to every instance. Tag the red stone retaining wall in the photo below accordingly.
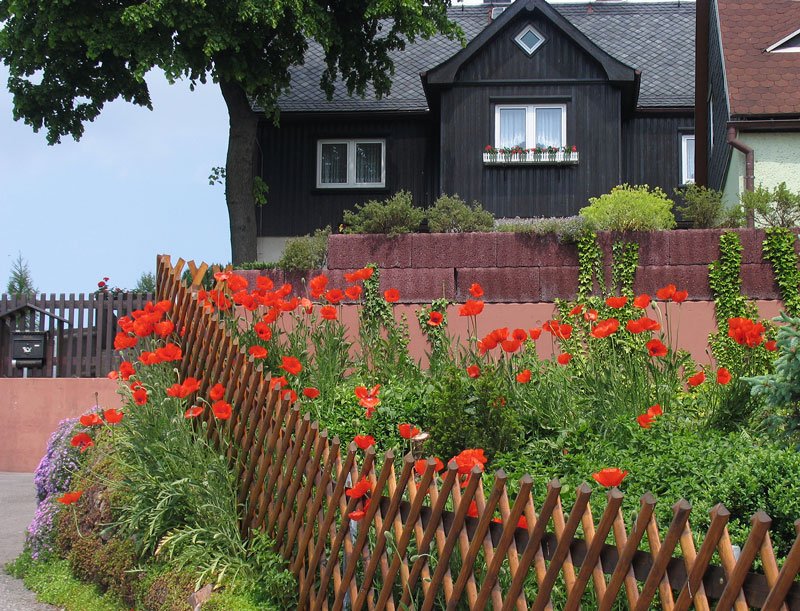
(521, 268)
(30, 410)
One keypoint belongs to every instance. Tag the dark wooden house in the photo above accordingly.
(614, 80)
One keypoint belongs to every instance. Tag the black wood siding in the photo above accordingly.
(720, 152)
(289, 161)
(651, 146)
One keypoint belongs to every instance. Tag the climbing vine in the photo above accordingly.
(779, 251)
(624, 261)
(724, 278)
(590, 265)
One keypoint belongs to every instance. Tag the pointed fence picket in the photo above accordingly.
(422, 543)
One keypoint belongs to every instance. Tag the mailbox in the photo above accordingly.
(28, 348)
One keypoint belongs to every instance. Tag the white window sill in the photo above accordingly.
(531, 159)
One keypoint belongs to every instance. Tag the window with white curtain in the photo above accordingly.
(687, 158)
(351, 163)
(530, 125)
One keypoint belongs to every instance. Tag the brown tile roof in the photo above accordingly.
(760, 83)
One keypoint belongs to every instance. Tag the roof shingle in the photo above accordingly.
(657, 39)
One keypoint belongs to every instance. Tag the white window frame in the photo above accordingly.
(523, 46)
(782, 45)
(685, 180)
(351, 164)
(530, 121)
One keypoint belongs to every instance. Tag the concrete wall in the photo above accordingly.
(777, 160)
(30, 410)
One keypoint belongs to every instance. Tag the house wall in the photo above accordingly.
(289, 160)
(651, 149)
(777, 160)
(719, 150)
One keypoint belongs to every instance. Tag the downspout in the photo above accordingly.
(702, 25)
(749, 167)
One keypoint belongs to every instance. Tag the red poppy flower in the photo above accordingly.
(510, 345)
(284, 291)
(353, 292)
(590, 315)
(524, 376)
(535, 333)
(287, 394)
(472, 510)
(474, 371)
(467, 459)
(519, 335)
(263, 331)
(576, 310)
(422, 464)
(222, 410)
(311, 392)
(291, 365)
(140, 396)
(656, 348)
(616, 302)
(164, 328)
(92, 419)
(257, 352)
(435, 319)
(328, 312)
(666, 293)
(564, 358)
(364, 441)
(264, 283)
(771, 345)
(523, 522)
(237, 283)
(126, 370)
(605, 328)
(368, 399)
(170, 352)
(193, 412)
(334, 296)
(641, 301)
(723, 376)
(143, 327)
(271, 316)
(609, 477)
(123, 341)
(680, 296)
(655, 410)
(112, 375)
(645, 420)
(563, 331)
(70, 497)
(476, 290)
(277, 382)
(113, 416)
(471, 308)
(217, 392)
(408, 431)
(359, 514)
(361, 488)
(176, 390)
(391, 295)
(82, 441)
(317, 285)
(697, 379)
(746, 332)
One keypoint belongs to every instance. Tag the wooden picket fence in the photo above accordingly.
(416, 547)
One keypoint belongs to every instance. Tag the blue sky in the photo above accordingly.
(135, 185)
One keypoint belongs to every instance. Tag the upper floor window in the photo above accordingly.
(530, 125)
(687, 158)
(529, 39)
(351, 163)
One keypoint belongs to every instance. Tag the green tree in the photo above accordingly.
(68, 59)
(20, 281)
(146, 283)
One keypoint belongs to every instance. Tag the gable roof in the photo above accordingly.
(759, 82)
(654, 38)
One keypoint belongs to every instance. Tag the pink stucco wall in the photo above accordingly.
(30, 409)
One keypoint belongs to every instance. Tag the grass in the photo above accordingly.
(53, 583)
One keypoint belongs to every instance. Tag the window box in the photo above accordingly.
(531, 158)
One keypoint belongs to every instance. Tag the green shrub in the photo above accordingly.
(165, 589)
(257, 265)
(394, 216)
(704, 209)
(307, 252)
(630, 208)
(777, 208)
(451, 214)
(567, 229)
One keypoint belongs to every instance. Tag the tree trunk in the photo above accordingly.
(239, 172)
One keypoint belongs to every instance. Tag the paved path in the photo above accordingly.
(17, 504)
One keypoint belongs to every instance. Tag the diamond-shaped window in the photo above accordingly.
(529, 39)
